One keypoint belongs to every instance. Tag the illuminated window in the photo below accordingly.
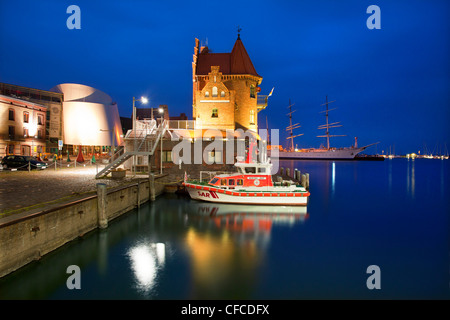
(223, 182)
(26, 117)
(214, 91)
(206, 93)
(215, 113)
(25, 132)
(11, 115)
(222, 94)
(167, 156)
(252, 116)
(252, 91)
(240, 182)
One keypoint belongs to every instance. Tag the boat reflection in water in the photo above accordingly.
(253, 220)
(228, 244)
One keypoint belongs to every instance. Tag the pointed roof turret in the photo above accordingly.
(236, 62)
(240, 61)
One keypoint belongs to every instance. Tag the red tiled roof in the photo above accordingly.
(236, 62)
(206, 60)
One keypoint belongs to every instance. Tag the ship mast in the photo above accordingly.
(328, 125)
(291, 127)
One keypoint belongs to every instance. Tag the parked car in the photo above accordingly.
(22, 162)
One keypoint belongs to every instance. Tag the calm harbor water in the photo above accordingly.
(393, 214)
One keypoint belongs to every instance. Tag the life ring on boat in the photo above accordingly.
(256, 182)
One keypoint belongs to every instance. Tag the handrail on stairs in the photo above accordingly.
(160, 130)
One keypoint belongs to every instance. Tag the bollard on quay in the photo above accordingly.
(151, 185)
(101, 206)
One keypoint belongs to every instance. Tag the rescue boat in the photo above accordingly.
(252, 183)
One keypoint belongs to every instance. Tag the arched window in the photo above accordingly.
(222, 94)
(214, 91)
(206, 93)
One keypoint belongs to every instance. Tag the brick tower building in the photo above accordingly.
(225, 89)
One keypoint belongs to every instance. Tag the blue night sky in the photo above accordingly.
(390, 85)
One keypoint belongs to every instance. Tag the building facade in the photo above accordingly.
(22, 127)
(225, 89)
(53, 130)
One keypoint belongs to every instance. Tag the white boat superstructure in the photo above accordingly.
(251, 184)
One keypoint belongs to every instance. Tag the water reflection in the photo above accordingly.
(333, 178)
(247, 223)
(227, 244)
(147, 259)
(410, 177)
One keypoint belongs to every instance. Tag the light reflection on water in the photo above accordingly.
(360, 213)
(146, 260)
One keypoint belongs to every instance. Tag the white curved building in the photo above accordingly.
(90, 118)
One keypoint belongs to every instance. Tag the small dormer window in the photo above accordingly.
(206, 93)
(222, 94)
(214, 91)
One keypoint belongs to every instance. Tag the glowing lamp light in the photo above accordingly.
(144, 100)
(160, 110)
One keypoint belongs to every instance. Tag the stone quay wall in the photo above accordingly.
(27, 237)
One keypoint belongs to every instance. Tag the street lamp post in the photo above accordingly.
(161, 110)
(143, 100)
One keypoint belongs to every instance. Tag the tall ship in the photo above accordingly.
(324, 153)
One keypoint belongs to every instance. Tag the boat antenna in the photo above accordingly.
(291, 127)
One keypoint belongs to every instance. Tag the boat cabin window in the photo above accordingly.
(213, 181)
(250, 170)
(240, 182)
(262, 170)
(231, 182)
(223, 182)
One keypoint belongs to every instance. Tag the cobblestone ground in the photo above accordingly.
(21, 190)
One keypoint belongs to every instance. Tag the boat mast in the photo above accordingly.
(328, 125)
(291, 127)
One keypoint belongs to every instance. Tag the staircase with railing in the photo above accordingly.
(145, 140)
